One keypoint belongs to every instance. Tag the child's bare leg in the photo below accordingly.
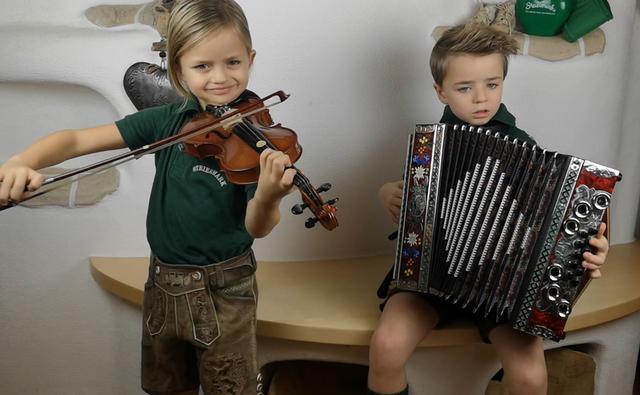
(522, 357)
(405, 321)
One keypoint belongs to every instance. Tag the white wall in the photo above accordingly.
(359, 80)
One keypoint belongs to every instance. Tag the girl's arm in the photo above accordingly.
(275, 181)
(20, 170)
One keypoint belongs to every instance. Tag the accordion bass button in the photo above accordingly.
(601, 200)
(553, 292)
(571, 227)
(555, 272)
(582, 209)
(563, 308)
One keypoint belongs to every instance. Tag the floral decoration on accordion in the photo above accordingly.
(416, 181)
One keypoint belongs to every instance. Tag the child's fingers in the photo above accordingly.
(35, 180)
(17, 190)
(396, 202)
(595, 273)
(276, 162)
(600, 242)
(591, 265)
(280, 162)
(600, 245)
(287, 178)
(5, 189)
(265, 161)
(395, 218)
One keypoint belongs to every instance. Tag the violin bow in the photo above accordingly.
(54, 182)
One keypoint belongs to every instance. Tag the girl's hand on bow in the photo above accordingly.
(593, 262)
(15, 179)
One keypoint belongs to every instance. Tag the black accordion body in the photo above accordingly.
(497, 226)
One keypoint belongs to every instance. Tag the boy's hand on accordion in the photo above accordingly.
(600, 245)
(390, 195)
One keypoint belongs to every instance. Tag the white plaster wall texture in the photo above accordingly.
(359, 80)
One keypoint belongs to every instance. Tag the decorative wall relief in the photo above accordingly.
(154, 14)
(146, 84)
(83, 192)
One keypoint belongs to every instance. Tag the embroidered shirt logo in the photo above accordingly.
(541, 5)
(204, 169)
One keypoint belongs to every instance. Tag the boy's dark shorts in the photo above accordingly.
(199, 327)
(447, 311)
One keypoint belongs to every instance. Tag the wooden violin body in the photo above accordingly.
(239, 161)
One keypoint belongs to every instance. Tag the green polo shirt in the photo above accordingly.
(195, 215)
(503, 122)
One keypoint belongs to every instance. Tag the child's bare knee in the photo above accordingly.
(531, 379)
(387, 350)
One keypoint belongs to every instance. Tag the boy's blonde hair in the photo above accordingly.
(191, 21)
(471, 39)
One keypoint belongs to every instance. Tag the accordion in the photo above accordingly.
(498, 226)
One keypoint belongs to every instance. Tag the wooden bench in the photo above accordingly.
(327, 310)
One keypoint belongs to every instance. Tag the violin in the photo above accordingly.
(235, 137)
(237, 145)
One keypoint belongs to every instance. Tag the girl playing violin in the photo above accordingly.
(199, 313)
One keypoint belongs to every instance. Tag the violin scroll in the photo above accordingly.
(324, 212)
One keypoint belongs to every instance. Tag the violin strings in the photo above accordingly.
(251, 131)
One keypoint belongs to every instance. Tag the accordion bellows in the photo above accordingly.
(497, 226)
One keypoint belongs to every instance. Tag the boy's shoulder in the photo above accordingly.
(505, 122)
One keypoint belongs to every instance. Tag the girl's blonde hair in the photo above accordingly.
(471, 39)
(191, 21)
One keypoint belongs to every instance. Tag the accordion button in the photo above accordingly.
(564, 308)
(601, 200)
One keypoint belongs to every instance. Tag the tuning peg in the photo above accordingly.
(310, 223)
(332, 201)
(323, 188)
(298, 208)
